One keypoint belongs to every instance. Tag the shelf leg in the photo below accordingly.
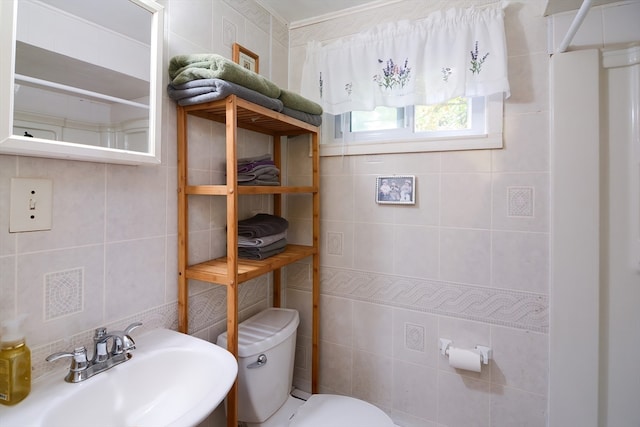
(183, 230)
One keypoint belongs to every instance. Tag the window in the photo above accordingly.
(450, 53)
(459, 124)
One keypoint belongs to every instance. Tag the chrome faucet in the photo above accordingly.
(122, 341)
(82, 368)
(79, 369)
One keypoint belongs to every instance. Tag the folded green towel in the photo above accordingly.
(184, 68)
(298, 102)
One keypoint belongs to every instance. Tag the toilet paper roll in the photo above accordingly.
(464, 359)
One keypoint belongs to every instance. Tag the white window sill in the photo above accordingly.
(492, 141)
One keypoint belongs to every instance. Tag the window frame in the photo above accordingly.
(392, 141)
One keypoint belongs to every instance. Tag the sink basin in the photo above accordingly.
(172, 379)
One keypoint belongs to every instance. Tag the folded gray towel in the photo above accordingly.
(252, 166)
(261, 157)
(312, 119)
(248, 178)
(206, 90)
(260, 182)
(261, 255)
(260, 242)
(253, 180)
(261, 172)
(263, 252)
(278, 244)
(262, 225)
(262, 168)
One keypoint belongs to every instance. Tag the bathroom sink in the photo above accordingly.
(172, 379)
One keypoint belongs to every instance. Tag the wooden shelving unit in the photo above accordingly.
(230, 271)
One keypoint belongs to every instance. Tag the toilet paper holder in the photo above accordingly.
(485, 352)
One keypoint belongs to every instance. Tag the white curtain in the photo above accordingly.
(458, 52)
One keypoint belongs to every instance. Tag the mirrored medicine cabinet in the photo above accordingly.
(81, 79)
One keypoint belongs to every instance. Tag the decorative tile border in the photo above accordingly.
(280, 32)
(253, 12)
(515, 309)
(229, 32)
(165, 316)
(205, 309)
(210, 307)
(510, 308)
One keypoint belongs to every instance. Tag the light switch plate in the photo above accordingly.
(31, 204)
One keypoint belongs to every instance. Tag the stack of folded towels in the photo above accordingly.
(260, 170)
(205, 77)
(262, 236)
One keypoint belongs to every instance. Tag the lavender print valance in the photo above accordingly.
(448, 54)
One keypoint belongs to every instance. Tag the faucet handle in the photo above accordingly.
(131, 327)
(79, 363)
(100, 353)
(79, 355)
(123, 341)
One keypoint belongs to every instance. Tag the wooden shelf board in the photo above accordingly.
(274, 189)
(221, 190)
(207, 190)
(253, 117)
(215, 271)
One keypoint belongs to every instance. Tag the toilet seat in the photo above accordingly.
(322, 410)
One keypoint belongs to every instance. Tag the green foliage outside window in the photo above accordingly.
(451, 115)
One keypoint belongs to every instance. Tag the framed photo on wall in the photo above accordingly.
(396, 189)
(246, 58)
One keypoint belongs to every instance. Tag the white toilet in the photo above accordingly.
(266, 349)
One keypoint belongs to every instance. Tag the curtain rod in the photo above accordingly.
(573, 29)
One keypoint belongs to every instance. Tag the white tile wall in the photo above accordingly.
(607, 25)
(118, 224)
(407, 275)
(455, 264)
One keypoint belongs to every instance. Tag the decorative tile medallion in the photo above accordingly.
(520, 201)
(63, 293)
(414, 337)
(334, 243)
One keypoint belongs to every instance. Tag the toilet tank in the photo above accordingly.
(264, 387)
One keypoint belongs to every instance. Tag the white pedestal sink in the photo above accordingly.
(172, 379)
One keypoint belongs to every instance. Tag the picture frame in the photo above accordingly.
(245, 58)
(396, 189)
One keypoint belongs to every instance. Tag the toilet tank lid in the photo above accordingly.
(263, 331)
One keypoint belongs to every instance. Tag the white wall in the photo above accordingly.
(381, 320)
(605, 26)
(463, 263)
(111, 256)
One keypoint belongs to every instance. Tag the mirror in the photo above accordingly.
(81, 79)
